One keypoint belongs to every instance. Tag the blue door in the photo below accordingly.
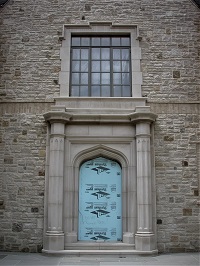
(100, 201)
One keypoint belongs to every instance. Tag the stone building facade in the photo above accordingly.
(47, 134)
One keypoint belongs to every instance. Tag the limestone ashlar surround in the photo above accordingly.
(142, 239)
(54, 238)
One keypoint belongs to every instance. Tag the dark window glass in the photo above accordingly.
(100, 66)
(85, 41)
(105, 41)
(76, 41)
(75, 90)
(76, 54)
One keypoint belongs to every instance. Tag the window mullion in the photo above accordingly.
(90, 71)
(100, 84)
(70, 80)
(121, 70)
(111, 73)
(130, 72)
(79, 72)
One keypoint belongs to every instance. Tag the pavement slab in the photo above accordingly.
(40, 259)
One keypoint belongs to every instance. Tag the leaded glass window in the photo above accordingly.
(100, 66)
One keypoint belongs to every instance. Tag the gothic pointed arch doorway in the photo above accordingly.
(127, 140)
(100, 200)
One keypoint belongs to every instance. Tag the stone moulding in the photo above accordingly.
(91, 24)
(99, 28)
(77, 115)
(56, 116)
(99, 104)
(100, 150)
(142, 117)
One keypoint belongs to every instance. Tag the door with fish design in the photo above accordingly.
(100, 200)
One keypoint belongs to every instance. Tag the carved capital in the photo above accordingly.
(57, 117)
(142, 114)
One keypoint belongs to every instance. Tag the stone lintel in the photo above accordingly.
(100, 118)
(65, 117)
(95, 103)
(92, 24)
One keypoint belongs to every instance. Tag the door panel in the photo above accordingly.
(100, 201)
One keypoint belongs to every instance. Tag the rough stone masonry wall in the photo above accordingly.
(29, 68)
(177, 161)
(22, 169)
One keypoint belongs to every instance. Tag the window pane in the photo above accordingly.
(96, 66)
(105, 78)
(100, 66)
(95, 91)
(126, 92)
(125, 41)
(95, 41)
(105, 66)
(75, 91)
(95, 78)
(75, 66)
(125, 54)
(116, 66)
(95, 53)
(116, 78)
(116, 53)
(105, 41)
(105, 91)
(84, 53)
(84, 66)
(84, 91)
(105, 53)
(115, 41)
(125, 79)
(84, 78)
(125, 66)
(76, 54)
(76, 41)
(85, 41)
(75, 78)
(117, 91)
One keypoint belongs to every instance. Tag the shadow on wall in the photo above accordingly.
(197, 2)
(3, 2)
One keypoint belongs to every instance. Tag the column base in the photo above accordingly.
(71, 237)
(128, 238)
(145, 242)
(54, 241)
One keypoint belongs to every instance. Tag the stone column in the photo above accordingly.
(54, 236)
(145, 237)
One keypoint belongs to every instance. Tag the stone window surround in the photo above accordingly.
(93, 28)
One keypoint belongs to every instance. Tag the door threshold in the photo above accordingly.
(101, 252)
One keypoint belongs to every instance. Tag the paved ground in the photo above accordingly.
(39, 259)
